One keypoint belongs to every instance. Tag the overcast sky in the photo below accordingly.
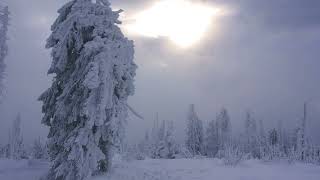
(261, 56)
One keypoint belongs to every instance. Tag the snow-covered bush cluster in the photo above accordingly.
(160, 143)
(232, 155)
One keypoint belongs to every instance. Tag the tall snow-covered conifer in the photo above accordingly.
(212, 140)
(262, 140)
(86, 106)
(171, 145)
(4, 22)
(16, 140)
(251, 136)
(223, 128)
(301, 135)
(195, 134)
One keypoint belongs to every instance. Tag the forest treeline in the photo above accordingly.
(216, 139)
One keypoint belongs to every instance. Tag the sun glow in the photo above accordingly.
(182, 21)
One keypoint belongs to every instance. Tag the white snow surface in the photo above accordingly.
(179, 169)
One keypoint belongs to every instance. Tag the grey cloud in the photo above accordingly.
(277, 13)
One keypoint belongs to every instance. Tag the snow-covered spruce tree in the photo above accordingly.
(15, 140)
(284, 140)
(251, 136)
(274, 144)
(162, 130)
(145, 146)
(158, 149)
(146, 143)
(155, 130)
(223, 128)
(86, 106)
(154, 138)
(212, 140)
(262, 140)
(157, 139)
(171, 145)
(195, 134)
(4, 22)
(162, 147)
(262, 132)
(301, 147)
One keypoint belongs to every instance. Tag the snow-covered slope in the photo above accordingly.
(181, 169)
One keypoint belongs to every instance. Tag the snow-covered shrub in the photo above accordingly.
(184, 153)
(39, 150)
(232, 155)
(161, 144)
(137, 153)
(131, 152)
(292, 156)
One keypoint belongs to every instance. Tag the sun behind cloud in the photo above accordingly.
(183, 22)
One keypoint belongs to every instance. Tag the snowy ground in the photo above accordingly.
(182, 169)
(22, 170)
